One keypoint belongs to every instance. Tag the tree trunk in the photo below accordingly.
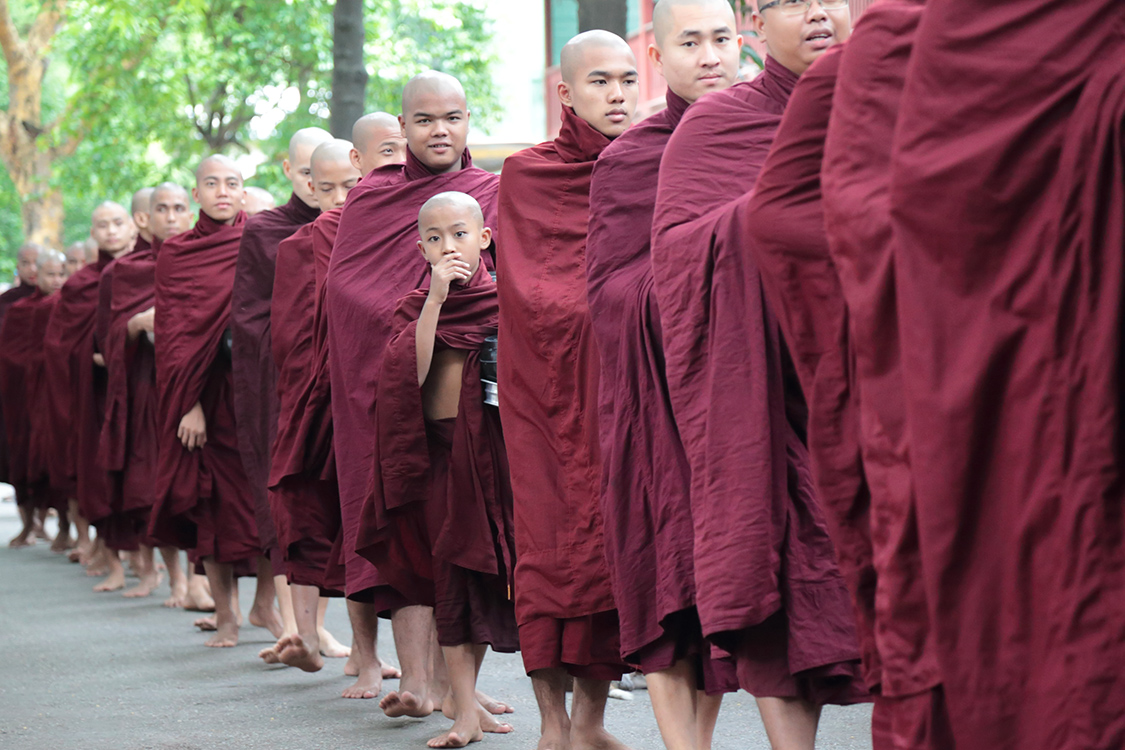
(349, 74)
(610, 15)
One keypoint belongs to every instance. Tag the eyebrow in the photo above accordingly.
(697, 32)
(447, 114)
(608, 74)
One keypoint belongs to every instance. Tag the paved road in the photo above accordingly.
(85, 671)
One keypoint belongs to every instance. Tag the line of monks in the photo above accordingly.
(807, 385)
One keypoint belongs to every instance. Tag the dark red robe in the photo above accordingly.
(438, 522)
(77, 392)
(25, 400)
(306, 508)
(375, 262)
(645, 477)
(255, 374)
(1006, 204)
(787, 619)
(7, 299)
(548, 381)
(203, 498)
(129, 434)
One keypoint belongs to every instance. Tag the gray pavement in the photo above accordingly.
(85, 671)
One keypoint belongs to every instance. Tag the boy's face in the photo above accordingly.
(452, 229)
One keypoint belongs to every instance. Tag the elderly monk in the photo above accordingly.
(548, 380)
(374, 262)
(23, 396)
(256, 200)
(203, 498)
(330, 175)
(644, 469)
(788, 623)
(1007, 183)
(75, 258)
(255, 375)
(304, 494)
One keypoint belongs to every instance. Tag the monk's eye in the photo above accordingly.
(631, 82)
(423, 121)
(459, 235)
(387, 152)
(689, 45)
(723, 39)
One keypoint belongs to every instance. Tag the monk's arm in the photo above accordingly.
(193, 428)
(424, 337)
(140, 323)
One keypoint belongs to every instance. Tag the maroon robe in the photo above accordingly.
(129, 434)
(856, 182)
(77, 392)
(438, 523)
(7, 299)
(645, 477)
(25, 400)
(548, 381)
(1006, 204)
(203, 498)
(255, 374)
(787, 620)
(375, 262)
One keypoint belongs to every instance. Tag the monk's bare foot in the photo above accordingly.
(113, 582)
(41, 533)
(294, 651)
(330, 647)
(75, 555)
(553, 741)
(270, 655)
(206, 624)
(598, 739)
(403, 703)
(368, 684)
(470, 729)
(268, 618)
(85, 554)
(62, 544)
(225, 636)
(198, 598)
(491, 705)
(147, 585)
(22, 540)
(351, 666)
(179, 597)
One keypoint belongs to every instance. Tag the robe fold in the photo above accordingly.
(375, 261)
(645, 475)
(548, 379)
(255, 374)
(203, 498)
(128, 449)
(7, 299)
(788, 620)
(77, 392)
(438, 521)
(1007, 187)
(24, 398)
(306, 508)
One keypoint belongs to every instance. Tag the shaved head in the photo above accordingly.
(51, 270)
(75, 257)
(664, 15)
(112, 228)
(432, 82)
(296, 166)
(330, 152)
(307, 137)
(29, 250)
(371, 126)
(435, 120)
(25, 261)
(333, 173)
(377, 140)
(216, 160)
(48, 255)
(576, 53)
(257, 200)
(142, 200)
(453, 199)
(171, 211)
(218, 188)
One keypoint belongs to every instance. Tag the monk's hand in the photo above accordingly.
(142, 322)
(193, 428)
(449, 269)
(99, 360)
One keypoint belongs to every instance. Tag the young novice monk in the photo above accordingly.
(439, 522)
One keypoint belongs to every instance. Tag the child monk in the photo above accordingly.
(438, 524)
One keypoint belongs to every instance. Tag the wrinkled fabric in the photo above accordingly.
(7, 299)
(375, 261)
(1007, 187)
(753, 505)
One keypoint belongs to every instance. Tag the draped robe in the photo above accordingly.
(7, 299)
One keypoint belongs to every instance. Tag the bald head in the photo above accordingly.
(112, 228)
(452, 223)
(170, 213)
(696, 46)
(256, 200)
(75, 257)
(296, 166)
(333, 173)
(435, 120)
(599, 81)
(575, 55)
(307, 139)
(461, 202)
(25, 261)
(218, 188)
(668, 16)
(216, 161)
(432, 83)
(142, 200)
(51, 270)
(377, 140)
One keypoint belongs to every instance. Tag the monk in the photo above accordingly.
(787, 622)
(304, 494)
(23, 397)
(257, 200)
(255, 375)
(439, 521)
(374, 263)
(548, 383)
(645, 473)
(1007, 235)
(75, 258)
(203, 498)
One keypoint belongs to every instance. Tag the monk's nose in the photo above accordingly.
(616, 93)
(710, 57)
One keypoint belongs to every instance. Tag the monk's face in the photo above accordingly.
(331, 180)
(385, 146)
(75, 260)
(699, 53)
(25, 265)
(112, 229)
(170, 213)
(604, 90)
(298, 171)
(218, 191)
(52, 276)
(437, 128)
(796, 36)
(452, 229)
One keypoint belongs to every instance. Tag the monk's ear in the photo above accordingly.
(564, 94)
(195, 195)
(310, 186)
(657, 58)
(759, 25)
(485, 238)
(353, 155)
(402, 125)
(287, 168)
(421, 248)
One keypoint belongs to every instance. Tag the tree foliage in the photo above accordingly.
(147, 87)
